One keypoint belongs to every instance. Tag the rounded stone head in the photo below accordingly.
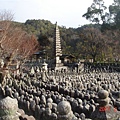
(64, 108)
(8, 109)
(103, 97)
(103, 94)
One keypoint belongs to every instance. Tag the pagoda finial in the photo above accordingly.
(56, 25)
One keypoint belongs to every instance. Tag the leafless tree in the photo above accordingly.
(112, 44)
(15, 44)
(93, 42)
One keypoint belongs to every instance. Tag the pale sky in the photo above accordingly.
(66, 12)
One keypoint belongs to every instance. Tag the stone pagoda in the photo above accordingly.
(57, 49)
(57, 64)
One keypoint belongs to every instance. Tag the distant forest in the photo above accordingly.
(44, 30)
(99, 41)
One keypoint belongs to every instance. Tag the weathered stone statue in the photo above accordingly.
(104, 111)
(32, 72)
(65, 112)
(8, 109)
(5, 70)
(44, 75)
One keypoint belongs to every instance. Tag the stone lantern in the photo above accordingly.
(44, 66)
(44, 75)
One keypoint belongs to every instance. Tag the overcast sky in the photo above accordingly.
(66, 12)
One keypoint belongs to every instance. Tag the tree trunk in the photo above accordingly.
(94, 58)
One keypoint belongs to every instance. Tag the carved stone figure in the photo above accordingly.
(104, 111)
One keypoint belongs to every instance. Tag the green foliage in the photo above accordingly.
(38, 27)
(44, 30)
(72, 41)
(43, 40)
(96, 12)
